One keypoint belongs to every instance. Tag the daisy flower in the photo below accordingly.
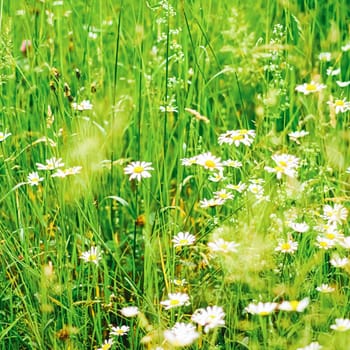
(256, 189)
(34, 179)
(324, 243)
(309, 88)
(223, 246)
(236, 137)
(325, 288)
(183, 239)
(211, 317)
(299, 227)
(210, 203)
(91, 256)
(138, 170)
(240, 187)
(51, 164)
(325, 56)
(62, 173)
(339, 262)
(129, 311)
(106, 345)
(4, 135)
(217, 177)
(232, 163)
(341, 325)
(175, 300)
(343, 83)
(287, 247)
(261, 309)
(223, 194)
(339, 106)
(345, 242)
(210, 162)
(182, 334)
(189, 161)
(296, 135)
(312, 346)
(333, 71)
(119, 330)
(294, 305)
(285, 164)
(336, 214)
(84, 105)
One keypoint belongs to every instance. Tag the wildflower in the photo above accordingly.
(189, 161)
(119, 330)
(223, 246)
(285, 164)
(309, 88)
(324, 243)
(332, 72)
(240, 187)
(82, 106)
(312, 346)
(138, 170)
(340, 106)
(325, 288)
(93, 255)
(339, 262)
(175, 300)
(217, 177)
(210, 162)
(300, 227)
(343, 83)
(183, 239)
(261, 309)
(34, 179)
(341, 325)
(294, 305)
(209, 203)
(232, 163)
(345, 242)
(130, 311)
(325, 56)
(237, 137)
(26, 46)
(335, 214)
(62, 173)
(346, 47)
(106, 345)
(256, 189)
(51, 164)
(179, 283)
(182, 334)
(211, 317)
(287, 247)
(4, 135)
(223, 194)
(296, 135)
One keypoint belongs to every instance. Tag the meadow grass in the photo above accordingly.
(234, 232)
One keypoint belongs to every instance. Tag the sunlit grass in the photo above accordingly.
(174, 174)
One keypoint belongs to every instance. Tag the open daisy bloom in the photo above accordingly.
(285, 164)
(183, 239)
(341, 325)
(261, 309)
(182, 334)
(309, 88)
(175, 300)
(294, 305)
(93, 255)
(138, 170)
(211, 317)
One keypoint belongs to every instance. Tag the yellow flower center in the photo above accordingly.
(330, 235)
(264, 313)
(237, 137)
(138, 169)
(183, 241)
(311, 87)
(106, 346)
(294, 304)
(285, 246)
(282, 163)
(339, 103)
(210, 163)
(174, 302)
(323, 244)
(92, 257)
(223, 246)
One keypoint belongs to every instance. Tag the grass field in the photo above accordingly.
(174, 174)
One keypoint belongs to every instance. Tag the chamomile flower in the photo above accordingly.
(4, 136)
(209, 161)
(34, 179)
(325, 288)
(211, 317)
(294, 305)
(217, 177)
(92, 256)
(345, 242)
(223, 194)
(296, 135)
(232, 163)
(138, 170)
(299, 227)
(119, 330)
(324, 243)
(261, 309)
(286, 164)
(182, 334)
(183, 239)
(51, 164)
(343, 83)
(236, 137)
(339, 106)
(335, 214)
(130, 311)
(84, 105)
(189, 161)
(325, 56)
(256, 189)
(222, 246)
(333, 71)
(341, 325)
(240, 187)
(175, 300)
(287, 247)
(210, 203)
(312, 346)
(62, 173)
(108, 343)
(339, 262)
(309, 88)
